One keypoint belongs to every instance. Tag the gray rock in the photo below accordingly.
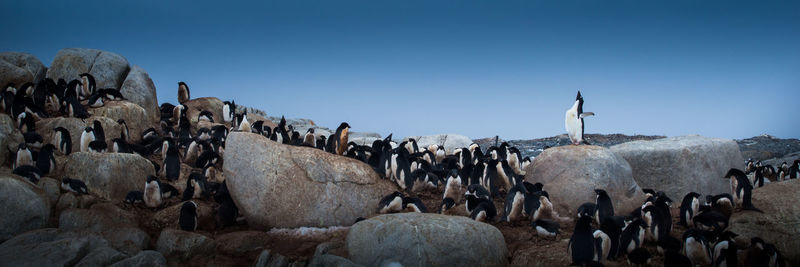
(24, 206)
(75, 126)
(683, 164)
(450, 141)
(128, 240)
(133, 115)
(183, 245)
(196, 105)
(780, 222)
(29, 67)
(327, 260)
(570, 175)
(144, 258)
(109, 69)
(59, 252)
(10, 137)
(102, 256)
(425, 239)
(242, 243)
(270, 259)
(302, 125)
(52, 188)
(264, 175)
(99, 218)
(139, 89)
(65, 202)
(166, 217)
(109, 175)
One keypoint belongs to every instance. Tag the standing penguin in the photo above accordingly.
(183, 92)
(689, 208)
(515, 200)
(62, 140)
(88, 85)
(695, 247)
(742, 189)
(573, 120)
(632, 236)
(172, 163)
(24, 156)
(309, 139)
(605, 208)
(87, 136)
(124, 133)
(188, 217)
(74, 185)
(581, 245)
(46, 161)
(99, 143)
(228, 111)
(244, 125)
(152, 192)
(341, 134)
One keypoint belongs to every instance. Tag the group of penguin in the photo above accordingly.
(706, 240)
(29, 103)
(763, 174)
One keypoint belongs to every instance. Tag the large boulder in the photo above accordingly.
(19, 68)
(570, 175)
(134, 115)
(75, 126)
(10, 137)
(183, 245)
(109, 175)
(450, 141)
(211, 104)
(780, 222)
(117, 226)
(48, 251)
(165, 218)
(24, 206)
(682, 164)
(276, 185)
(109, 69)
(138, 88)
(425, 239)
(144, 258)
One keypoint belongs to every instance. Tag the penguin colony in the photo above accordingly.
(468, 176)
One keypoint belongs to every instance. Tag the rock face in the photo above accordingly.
(10, 137)
(75, 126)
(571, 173)
(196, 105)
(780, 222)
(144, 258)
(132, 113)
(450, 141)
(425, 239)
(275, 185)
(183, 245)
(109, 69)
(24, 206)
(109, 175)
(678, 165)
(19, 68)
(139, 89)
(48, 251)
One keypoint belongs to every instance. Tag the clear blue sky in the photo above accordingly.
(480, 68)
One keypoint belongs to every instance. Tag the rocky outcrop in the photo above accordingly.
(570, 175)
(678, 165)
(24, 206)
(20, 68)
(780, 222)
(165, 218)
(75, 126)
(298, 186)
(109, 175)
(109, 69)
(182, 245)
(51, 188)
(144, 258)
(196, 105)
(138, 88)
(10, 137)
(450, 141)
(115, 225)
(43, 249)
(425, 239)
(102, 256)
(132, 113)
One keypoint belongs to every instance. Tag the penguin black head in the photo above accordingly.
(343, 126)
(579, 97)
(310, 130)
(22, 146)
(733, 172)
(152, 178)
(601, 192)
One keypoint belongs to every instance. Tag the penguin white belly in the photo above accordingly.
(573, 125)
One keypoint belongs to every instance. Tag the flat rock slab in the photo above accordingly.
(425, 239)
(109, 175)
(24, 206)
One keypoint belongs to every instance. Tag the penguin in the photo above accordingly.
(690, 205)
(474, 195)
(178, 112)
(342, 133)
(31, 172)
(758, 179)
(401, 167)
(639, 257)
(110, 94)
(484, 211)
(228, 110)
(695, 247)
(725, 250)
(391, 203)
(413, 204)
(124, 133)
(605, 208)
(183, 92)
(587, 208)
(194, 187)
(167, 190)
(581, 246)
(87, 136)
(668, 243)
(602, 245)
(545, 227)
(172, 164)
(794, 170)
(452, 189)
(205, 115)
(74, 108)
(74, 185)
(88, 85)
(537, 205)
(24, 156)
(62, 140)
(613, 231)
(188, 217)
(46, 162)
(515, 201)
(309, 139)
(632, 235)
(207, 158)
(653, 218)
(741, 189)
(711, 220)
(152, 192)
(118, 145)
(722, 203)
(573, 120)
(673, 258)
(134, 197)
(25, 122)
(98, 146)
(95, 101)
(244, 126)
(321, 142)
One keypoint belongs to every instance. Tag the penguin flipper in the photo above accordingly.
(586, 114)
